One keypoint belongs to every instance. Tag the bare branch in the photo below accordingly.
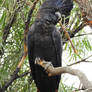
(80, 62)
(83, 60)
(26, 31)
(80, 27)
(52, 71)
(73, 33)
(24, 74)
(14, 76)
(83, 34)
(88, 90)
(68, 37)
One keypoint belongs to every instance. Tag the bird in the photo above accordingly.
(44, 41)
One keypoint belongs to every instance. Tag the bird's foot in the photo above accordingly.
(43, 63)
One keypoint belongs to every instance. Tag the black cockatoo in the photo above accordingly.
(44, 42)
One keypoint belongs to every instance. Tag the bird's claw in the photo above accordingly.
(38, 61)
(43, 63)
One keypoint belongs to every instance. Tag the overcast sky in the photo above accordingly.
(84, 67)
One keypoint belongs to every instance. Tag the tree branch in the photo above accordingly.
(79, 62)
(83, 34)
(11, 21)
(26, 31)
(6, 30)
(80, 27)
(73, 33)
(67, 37)
(83, 60)
(24, 74)
(52, 71)
(14, 76)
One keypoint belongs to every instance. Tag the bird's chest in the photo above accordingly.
(43, 40)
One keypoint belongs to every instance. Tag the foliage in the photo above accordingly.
(11, 51)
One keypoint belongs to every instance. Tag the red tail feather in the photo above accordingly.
(56, 90)
(38, 90)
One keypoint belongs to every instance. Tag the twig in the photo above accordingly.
(24, 74)
(73, 33)
(83, 34)
(68, 37)
(81, 26)
(83, 60)
(88, 90)
(78, 90)
(26, 31)
(79, 62)
(12, 19)
(13, 78)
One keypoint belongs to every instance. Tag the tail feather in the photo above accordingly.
(56, 90)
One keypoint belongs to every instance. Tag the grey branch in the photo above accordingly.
(52, 71)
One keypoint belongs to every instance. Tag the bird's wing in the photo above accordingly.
(56, 37)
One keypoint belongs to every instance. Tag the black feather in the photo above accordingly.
(44, 41)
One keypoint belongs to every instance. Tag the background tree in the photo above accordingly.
(13, 17)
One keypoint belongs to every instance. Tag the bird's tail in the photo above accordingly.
(56, 90)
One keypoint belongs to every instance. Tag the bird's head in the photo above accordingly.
(64, 7)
